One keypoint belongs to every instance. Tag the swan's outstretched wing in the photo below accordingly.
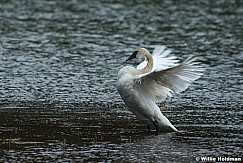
(157, 85)
(161, 59)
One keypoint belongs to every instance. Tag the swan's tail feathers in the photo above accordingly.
(172, 129)
(164, 125)
(167, 128)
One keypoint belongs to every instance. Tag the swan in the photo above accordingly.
(157, 77)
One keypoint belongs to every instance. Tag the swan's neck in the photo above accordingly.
(150, 62)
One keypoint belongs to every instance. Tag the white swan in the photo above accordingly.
(157, 77)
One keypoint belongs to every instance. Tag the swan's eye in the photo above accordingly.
(134, 55)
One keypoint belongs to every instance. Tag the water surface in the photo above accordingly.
(59, 61)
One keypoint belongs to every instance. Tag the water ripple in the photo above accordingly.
(66, 55)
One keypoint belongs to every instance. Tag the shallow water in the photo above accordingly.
(59, 61)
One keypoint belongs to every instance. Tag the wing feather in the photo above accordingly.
(161, 59)
(165, 82)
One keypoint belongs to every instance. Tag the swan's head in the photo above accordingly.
(140, 53)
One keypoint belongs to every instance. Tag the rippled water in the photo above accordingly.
(59, 61)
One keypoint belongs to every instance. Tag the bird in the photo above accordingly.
(150, 82)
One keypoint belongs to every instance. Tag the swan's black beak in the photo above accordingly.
(134, 54)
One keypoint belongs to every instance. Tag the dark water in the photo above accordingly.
(59, 61)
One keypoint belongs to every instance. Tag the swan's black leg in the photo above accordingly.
(148, 127)
(156, 126)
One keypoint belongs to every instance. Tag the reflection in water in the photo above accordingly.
(84, 135)
(59, 62)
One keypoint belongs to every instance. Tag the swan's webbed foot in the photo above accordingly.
(148, 127)
(156, 126)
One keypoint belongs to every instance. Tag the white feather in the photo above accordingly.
(176, 79)
(140, 92)
(161, 61)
